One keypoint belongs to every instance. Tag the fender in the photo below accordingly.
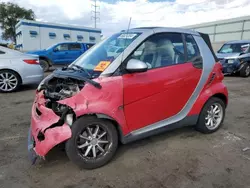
(91, 100)
(213, 87)
(208, 93)
(46, 58)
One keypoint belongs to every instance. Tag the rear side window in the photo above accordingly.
(89, 46)
(62, 47)
(192, 48)
(1, 52)
(75, 46)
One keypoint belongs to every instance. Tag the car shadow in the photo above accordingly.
(58, 156)
(182, 133)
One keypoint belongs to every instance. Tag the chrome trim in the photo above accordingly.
(208, 64)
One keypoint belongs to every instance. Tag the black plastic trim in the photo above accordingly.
(188, 121)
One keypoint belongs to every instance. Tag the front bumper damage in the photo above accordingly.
(47, 129)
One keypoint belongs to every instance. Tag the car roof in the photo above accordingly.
(238, 41)
(165, 29)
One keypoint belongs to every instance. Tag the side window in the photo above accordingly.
(1, 52)
(62, 47)
(89, 46)
(161, 50)
(192, 48)
(75, 46)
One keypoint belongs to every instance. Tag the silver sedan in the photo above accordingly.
(18, 69)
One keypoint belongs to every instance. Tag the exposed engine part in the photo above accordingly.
(59, 88)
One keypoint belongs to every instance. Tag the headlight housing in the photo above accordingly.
(40, 86)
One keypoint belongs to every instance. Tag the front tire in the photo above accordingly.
(212, 116)
(245, 71)
(10, 81)
(93, 143)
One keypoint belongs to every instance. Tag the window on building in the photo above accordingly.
(79, 37)
(33, 34)
(52, 35)
(62, 47)
(92, 38)
(160, 50)
(75, 46)
(66, 36)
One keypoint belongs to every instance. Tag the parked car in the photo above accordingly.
(18, 69)
(238, 63)
(231, 48)
(99, 100)
(61, 53)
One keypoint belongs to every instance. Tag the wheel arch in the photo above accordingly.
(46, 59)
(14, 72)
(222, 97)
(107, 117)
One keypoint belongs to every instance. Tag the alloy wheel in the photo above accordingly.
(8, 81)
(93, 142)
(214, 116)
(248, 70)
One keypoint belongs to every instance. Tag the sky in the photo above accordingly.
(115, 14)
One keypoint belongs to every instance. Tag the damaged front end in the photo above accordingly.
(50, 120)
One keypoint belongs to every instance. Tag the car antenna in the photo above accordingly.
(126, 38)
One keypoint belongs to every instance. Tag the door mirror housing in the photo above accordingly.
(135, 65)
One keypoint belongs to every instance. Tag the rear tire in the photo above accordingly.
(212, 116)
(10, 81)
(44, 64)
(91, 147)
(245, 71)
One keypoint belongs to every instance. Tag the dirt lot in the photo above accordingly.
(182, 158)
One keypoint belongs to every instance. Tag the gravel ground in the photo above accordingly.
(181, 158)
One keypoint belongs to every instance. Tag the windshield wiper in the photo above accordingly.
(82, 69)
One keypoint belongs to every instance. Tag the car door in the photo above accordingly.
(75, 50)
(164, 89)
(60, 54)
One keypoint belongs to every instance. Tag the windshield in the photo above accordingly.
(232, 48)
(101, 55)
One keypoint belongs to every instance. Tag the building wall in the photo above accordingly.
(225, 30)
(43, 39)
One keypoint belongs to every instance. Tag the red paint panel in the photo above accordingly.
(210, 89)
(158, 93)
(53, 136)
(108, 100)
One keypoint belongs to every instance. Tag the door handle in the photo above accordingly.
(197, 62)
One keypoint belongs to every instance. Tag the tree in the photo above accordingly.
(10, 14)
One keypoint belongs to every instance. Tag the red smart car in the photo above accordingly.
(159, 79)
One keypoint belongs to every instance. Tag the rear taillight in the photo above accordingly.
(31, 61)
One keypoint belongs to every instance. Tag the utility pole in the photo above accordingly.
(95, 13)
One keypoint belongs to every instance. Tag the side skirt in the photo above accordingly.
(187, 121)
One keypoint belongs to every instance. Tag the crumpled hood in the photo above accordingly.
(64, 73)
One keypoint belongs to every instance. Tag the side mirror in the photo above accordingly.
(135, 65)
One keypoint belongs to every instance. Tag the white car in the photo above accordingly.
(18, 69)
